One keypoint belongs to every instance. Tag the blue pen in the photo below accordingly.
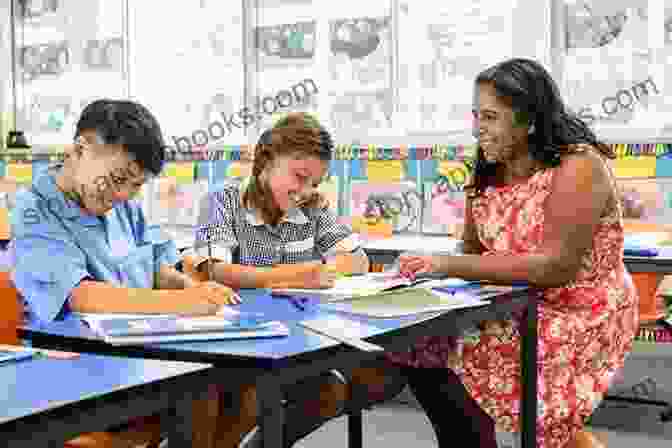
(454, 289)
(298, 304)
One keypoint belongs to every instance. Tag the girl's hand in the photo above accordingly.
(412, 265)
(216, 294)
(319, 277)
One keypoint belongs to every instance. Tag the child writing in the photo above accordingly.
(278, 230)
(277, 227)
(81, 245)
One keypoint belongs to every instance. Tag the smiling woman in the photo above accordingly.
(542, 208)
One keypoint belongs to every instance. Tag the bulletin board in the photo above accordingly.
(614, 66)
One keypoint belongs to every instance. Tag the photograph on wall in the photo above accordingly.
(361, 53)
(360, 71)
(398, 204)
(362, 111)
(609, 78)
(285, 44)
(441, 49)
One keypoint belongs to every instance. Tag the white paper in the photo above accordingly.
(275, 330)
(452, 302)
(348, 287)
(340, 326)
(93, 319)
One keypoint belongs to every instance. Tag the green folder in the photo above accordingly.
(407, 298)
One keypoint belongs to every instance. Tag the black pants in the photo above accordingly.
(454, 414)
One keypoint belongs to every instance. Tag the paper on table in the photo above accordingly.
(274, 329)
(56, 354)
(343, 330)
(93, 319)
(342, 326)
(402, 303)
(349, 287)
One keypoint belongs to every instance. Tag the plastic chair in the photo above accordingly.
(11, 316)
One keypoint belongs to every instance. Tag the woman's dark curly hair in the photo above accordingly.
(531, 92)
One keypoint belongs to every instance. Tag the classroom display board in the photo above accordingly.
(615, 58)
(68, 54)
(187, 68)
(375, 68)
(442, 46)
(416, 188)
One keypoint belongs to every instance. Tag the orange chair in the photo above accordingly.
(651, 306)
(11, 316)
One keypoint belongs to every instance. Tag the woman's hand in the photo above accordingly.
(412, 265)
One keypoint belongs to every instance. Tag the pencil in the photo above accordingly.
(211, 276)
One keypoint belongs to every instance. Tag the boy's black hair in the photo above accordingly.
(129, 124)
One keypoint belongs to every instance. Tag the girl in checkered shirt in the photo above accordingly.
(274, 230)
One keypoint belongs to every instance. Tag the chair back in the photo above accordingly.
(11, 310)
(11, 317)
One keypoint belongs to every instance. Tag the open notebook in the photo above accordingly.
(355, 286)
(127, 329)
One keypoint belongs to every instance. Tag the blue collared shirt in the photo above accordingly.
(56, 245)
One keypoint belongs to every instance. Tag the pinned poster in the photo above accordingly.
(5, 227)
(385, 171)
(239, 169)
(664, 166)
(642, 166)
(455, 172)
(329, 188)
(182, 172)
(19, 172)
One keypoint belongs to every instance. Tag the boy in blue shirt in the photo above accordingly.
(80, 244)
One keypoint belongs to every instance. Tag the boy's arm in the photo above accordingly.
(101, 297)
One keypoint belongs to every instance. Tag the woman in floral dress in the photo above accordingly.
(543, 208)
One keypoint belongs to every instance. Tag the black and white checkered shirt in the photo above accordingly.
(305, 234)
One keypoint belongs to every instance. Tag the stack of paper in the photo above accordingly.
(126, 329)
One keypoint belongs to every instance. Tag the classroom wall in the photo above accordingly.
(369, 101)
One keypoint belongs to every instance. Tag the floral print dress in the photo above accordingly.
(585, 328)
